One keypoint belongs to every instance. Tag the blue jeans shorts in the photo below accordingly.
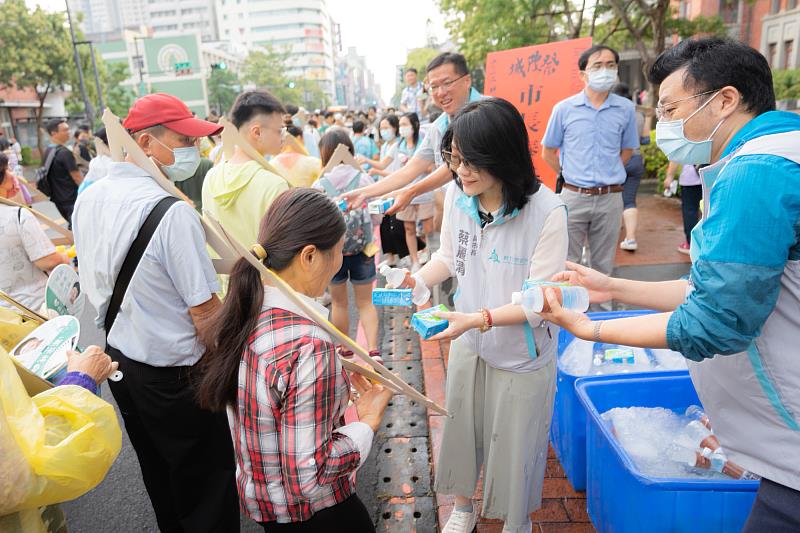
(358, 268)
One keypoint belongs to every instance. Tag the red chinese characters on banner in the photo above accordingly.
(535, 79)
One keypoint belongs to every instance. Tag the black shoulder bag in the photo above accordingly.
(135, 254)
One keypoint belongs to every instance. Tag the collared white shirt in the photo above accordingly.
(409, 97)
(175, 273)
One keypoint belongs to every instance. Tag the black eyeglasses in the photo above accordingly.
(444, 85)
(454, 161)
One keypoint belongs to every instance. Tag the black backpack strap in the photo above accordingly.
(135, 254)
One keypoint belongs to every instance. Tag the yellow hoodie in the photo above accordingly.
(238, 195)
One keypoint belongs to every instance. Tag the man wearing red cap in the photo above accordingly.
(145, 268)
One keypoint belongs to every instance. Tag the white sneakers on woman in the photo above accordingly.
(461, 522)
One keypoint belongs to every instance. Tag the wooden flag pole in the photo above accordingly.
(231, 250)
(231, 138)
(27, 313)
(341, 156)
(66, 235)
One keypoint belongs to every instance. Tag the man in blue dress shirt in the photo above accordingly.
(589, 138)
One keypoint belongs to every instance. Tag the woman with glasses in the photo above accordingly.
(500, 228)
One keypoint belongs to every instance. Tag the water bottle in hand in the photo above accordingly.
(395, 277)
(571, 297)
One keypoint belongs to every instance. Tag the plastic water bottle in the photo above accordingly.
(694, 412)
(571, 297)
(394, 276)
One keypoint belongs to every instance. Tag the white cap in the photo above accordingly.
(532, 299)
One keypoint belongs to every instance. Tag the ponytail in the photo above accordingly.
(231, 328)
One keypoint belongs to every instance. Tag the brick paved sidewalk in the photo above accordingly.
(563, 509)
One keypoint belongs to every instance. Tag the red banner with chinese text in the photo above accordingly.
(535, 79)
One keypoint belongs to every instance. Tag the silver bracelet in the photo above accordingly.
(597, 326)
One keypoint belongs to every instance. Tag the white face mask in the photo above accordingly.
(602, 80)
(387, 135)
(406, 131)
(187, 159)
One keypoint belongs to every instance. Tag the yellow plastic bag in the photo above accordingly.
(55, 446)
(13, 328)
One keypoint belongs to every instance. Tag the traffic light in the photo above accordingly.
(291, 85)
(219, 66)
(183, 69)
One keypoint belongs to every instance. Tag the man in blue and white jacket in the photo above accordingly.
(738, 316)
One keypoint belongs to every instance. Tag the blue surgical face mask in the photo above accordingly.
(672, 140)
(187, 159)
(602, 80)
(387, 135)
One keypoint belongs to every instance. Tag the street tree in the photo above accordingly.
(36, 53)
(223, 86)
(266, 69)
(111, 76)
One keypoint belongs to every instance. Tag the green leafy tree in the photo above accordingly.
(118, 97)
(111, 75)
(419, 58)
(223, 86)
(36, 53)
(786, 84)
(266, 69)
(483, 26)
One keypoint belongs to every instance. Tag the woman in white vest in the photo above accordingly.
(500, 228)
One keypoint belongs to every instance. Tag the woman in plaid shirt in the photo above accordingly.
(277, 373)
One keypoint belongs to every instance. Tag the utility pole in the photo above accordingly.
(96, 76)
(87, 106)
(139, 64)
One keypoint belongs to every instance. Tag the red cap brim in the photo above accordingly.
(193, 127)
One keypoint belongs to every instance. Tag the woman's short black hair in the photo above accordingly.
(414, 120)
(490, 135)
(393, 121)
(330, 142)
(715, 62)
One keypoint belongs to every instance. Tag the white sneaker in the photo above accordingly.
(325, 299)
(629, 245)
(424, 256)
(415, 267)
(461, 522)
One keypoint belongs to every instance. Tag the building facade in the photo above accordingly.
(355, 83)
(173, 64)
(164, 17)
(302, 27)
(770, 26)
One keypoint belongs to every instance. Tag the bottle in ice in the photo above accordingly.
(707, 459)
(695, 412)
(570, 297)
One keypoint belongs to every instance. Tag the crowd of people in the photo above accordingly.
(233, 397)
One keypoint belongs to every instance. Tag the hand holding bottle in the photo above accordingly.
(598, 285)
